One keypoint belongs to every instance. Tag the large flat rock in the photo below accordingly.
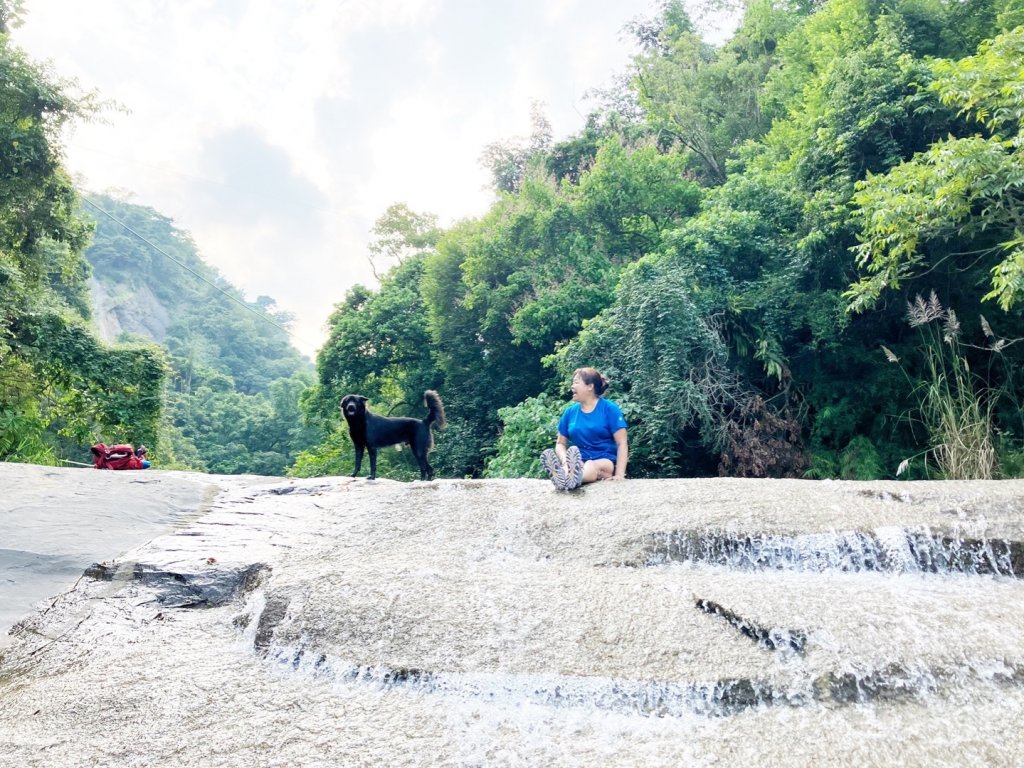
(673, 622)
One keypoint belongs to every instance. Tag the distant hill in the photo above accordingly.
(231, 405)
(138, 290)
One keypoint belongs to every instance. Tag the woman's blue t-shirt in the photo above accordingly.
(593, 432)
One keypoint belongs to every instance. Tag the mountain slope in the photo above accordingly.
(149, 280)
(231, 404)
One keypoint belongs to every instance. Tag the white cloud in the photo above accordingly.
(556, 11)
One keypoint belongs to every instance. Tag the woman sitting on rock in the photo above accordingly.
(597, 430)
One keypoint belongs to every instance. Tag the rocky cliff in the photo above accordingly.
(119, 308)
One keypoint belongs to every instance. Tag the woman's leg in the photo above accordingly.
(553, 466)
(597, 469)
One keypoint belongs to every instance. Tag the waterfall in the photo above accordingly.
(890, 550)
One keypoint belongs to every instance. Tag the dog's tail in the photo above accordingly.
(435, 407)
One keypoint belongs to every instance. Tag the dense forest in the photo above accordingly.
(797, 254)
(800, 253)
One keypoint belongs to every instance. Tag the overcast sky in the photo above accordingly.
(276, 132)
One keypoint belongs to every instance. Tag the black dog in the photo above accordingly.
(370, 431)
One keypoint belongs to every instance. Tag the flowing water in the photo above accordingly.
(54, 523)
(476, 623)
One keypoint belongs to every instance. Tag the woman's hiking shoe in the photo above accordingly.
(575, 462)
(553, 467)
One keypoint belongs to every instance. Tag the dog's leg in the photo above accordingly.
(359, 460)
(424, 466)
(419, 450)
(373, 463)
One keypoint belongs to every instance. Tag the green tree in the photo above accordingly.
(400, 234)
(510, 161)
(967, 189)
(704, 97)
(379, 344)
(10, 15)
(694, 242)
(60, 387)
(503, 291)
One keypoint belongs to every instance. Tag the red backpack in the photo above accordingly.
(121, 456)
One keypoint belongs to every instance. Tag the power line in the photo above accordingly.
(186, 267)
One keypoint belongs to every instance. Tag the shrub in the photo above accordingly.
(528, 428)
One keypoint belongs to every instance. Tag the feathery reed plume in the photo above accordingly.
(952, 327)
(889, 354)
(916, 312)
(986, 328)
(922, 312)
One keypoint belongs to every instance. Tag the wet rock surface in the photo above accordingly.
(56, 521)
(772, 638)
(204, 588)
(710, 622)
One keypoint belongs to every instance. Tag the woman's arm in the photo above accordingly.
(622, 454)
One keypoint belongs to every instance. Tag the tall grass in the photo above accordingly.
(956, 405)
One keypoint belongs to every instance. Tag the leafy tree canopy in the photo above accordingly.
(967, 189)
(60, 386)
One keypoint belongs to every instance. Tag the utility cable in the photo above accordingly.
(186, 267)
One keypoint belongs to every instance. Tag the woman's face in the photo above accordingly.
(580, 389)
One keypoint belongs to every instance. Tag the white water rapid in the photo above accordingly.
(340, 622)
